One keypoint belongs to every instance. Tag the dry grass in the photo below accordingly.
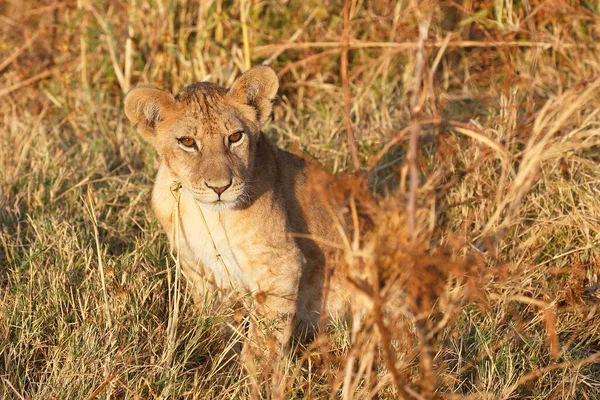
(493, 295)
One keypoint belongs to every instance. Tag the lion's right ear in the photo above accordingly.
(146, 106)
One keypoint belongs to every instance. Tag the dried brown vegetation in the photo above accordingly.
(470, 237)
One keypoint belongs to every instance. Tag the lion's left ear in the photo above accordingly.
(257, 88)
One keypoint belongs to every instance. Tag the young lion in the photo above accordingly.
(241, 200)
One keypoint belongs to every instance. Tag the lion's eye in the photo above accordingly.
(235, 137)
(187, 142)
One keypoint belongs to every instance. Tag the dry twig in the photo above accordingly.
(411, 46)
(346, 87)
(415, 126)
(19, 50)
(19, 85)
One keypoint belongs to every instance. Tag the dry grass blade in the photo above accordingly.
(109, 379)
(92, 214)
(346, 86)
(129, 47)
(14, 390)
(464, 129)
(244, 7)
(548, 122)
(412, 158)
(15, 54)
(121, 78)
(540, 372)
(12, 88)
(412, 46)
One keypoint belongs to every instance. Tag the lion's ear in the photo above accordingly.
(257, 88)
(146, 106)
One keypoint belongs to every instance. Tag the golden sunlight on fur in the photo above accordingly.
(232, 202)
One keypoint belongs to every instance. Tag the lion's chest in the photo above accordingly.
(206, 241)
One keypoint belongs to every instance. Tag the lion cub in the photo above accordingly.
(240, 199)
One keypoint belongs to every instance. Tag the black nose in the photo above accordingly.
(219, 190)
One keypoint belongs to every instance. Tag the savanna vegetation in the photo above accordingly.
(466, 135)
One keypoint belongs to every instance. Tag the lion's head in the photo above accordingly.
(207, 135)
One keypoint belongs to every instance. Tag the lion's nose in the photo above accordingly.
(219, 189)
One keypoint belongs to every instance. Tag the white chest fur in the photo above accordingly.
(199, 233)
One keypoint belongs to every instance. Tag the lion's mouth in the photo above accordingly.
(227, 199)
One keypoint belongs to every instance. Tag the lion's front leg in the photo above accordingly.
(273, 311)
(274, 315)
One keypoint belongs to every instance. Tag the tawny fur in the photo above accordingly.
(254, 222)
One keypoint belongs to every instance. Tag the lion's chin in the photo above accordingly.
(217, 206)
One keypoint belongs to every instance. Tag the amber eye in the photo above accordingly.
(235, 137)
(187, 142)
